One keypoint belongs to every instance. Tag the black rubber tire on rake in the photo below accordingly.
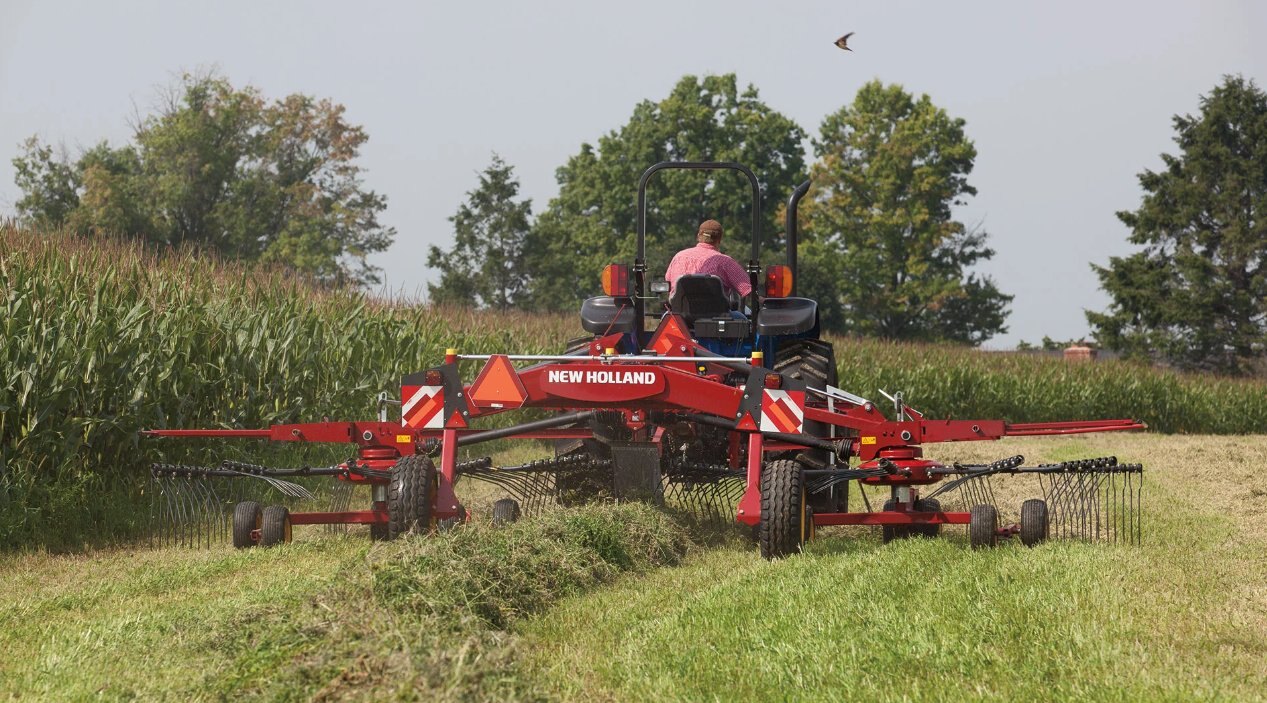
(246, 519)
(450, 523)
(1034, 522)
(786, 521)
(983, 525)
(409, 495)
(888, 533)
(927, 505)
(275, 526)
(505, 511)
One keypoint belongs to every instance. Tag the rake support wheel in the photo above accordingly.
(983, 526)
(888, 533)
(786, 520)
(409, 495)
(451, 523)
(505, 511)
(246, 519)
(927, 505)
(1034, 522)
(275, 526)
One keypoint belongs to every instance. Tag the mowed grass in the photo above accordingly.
(324, 618)
(143, 623)
(599, 605)
(1182, 617)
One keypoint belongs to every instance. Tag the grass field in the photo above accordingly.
(614, 604)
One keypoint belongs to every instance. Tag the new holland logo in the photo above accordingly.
(621, 378)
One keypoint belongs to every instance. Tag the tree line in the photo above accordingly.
(881, 249)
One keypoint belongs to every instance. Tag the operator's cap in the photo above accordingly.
(710, 231)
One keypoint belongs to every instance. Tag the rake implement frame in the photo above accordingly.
(703, 426)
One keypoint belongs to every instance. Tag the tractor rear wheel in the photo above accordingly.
(275, 526)
(505, 511)
(1034, 521)
(809, 360)
(983, 526)
(814, 361)
(409, 495)
(786, 520)
(246, 519)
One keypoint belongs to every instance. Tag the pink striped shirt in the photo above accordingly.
(706, 260)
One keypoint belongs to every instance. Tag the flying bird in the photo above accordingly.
(843, 42)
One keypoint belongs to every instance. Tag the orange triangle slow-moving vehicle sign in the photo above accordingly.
(670, 336)
(497, 386)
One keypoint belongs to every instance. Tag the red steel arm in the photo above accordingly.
(1032, 429)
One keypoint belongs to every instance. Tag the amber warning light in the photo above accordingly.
(616, 280)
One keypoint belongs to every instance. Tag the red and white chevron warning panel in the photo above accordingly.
(422, 407)
(782, 411)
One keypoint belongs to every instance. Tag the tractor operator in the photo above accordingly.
(705, 259)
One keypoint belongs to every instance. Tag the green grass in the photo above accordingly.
(1182, 617)
(616, 603)
(324, 617)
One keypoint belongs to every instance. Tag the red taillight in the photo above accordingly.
(778, 281)
(616, 280)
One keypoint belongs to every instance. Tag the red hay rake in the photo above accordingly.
(674, 422)
(689, 414)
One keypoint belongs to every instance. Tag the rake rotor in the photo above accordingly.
(192, 505)
(1087, 499)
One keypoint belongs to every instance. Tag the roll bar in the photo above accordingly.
(640, 262)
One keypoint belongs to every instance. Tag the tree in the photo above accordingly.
(1196, 295)
(485, 265)
(591, 222)
(222, 168)
(882, 252)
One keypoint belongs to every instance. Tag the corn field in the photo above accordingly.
(102, 339)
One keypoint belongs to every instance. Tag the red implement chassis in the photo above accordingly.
(765, 421)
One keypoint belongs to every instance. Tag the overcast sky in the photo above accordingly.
(1066, 102)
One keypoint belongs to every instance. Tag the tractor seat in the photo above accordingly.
(702, 303)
